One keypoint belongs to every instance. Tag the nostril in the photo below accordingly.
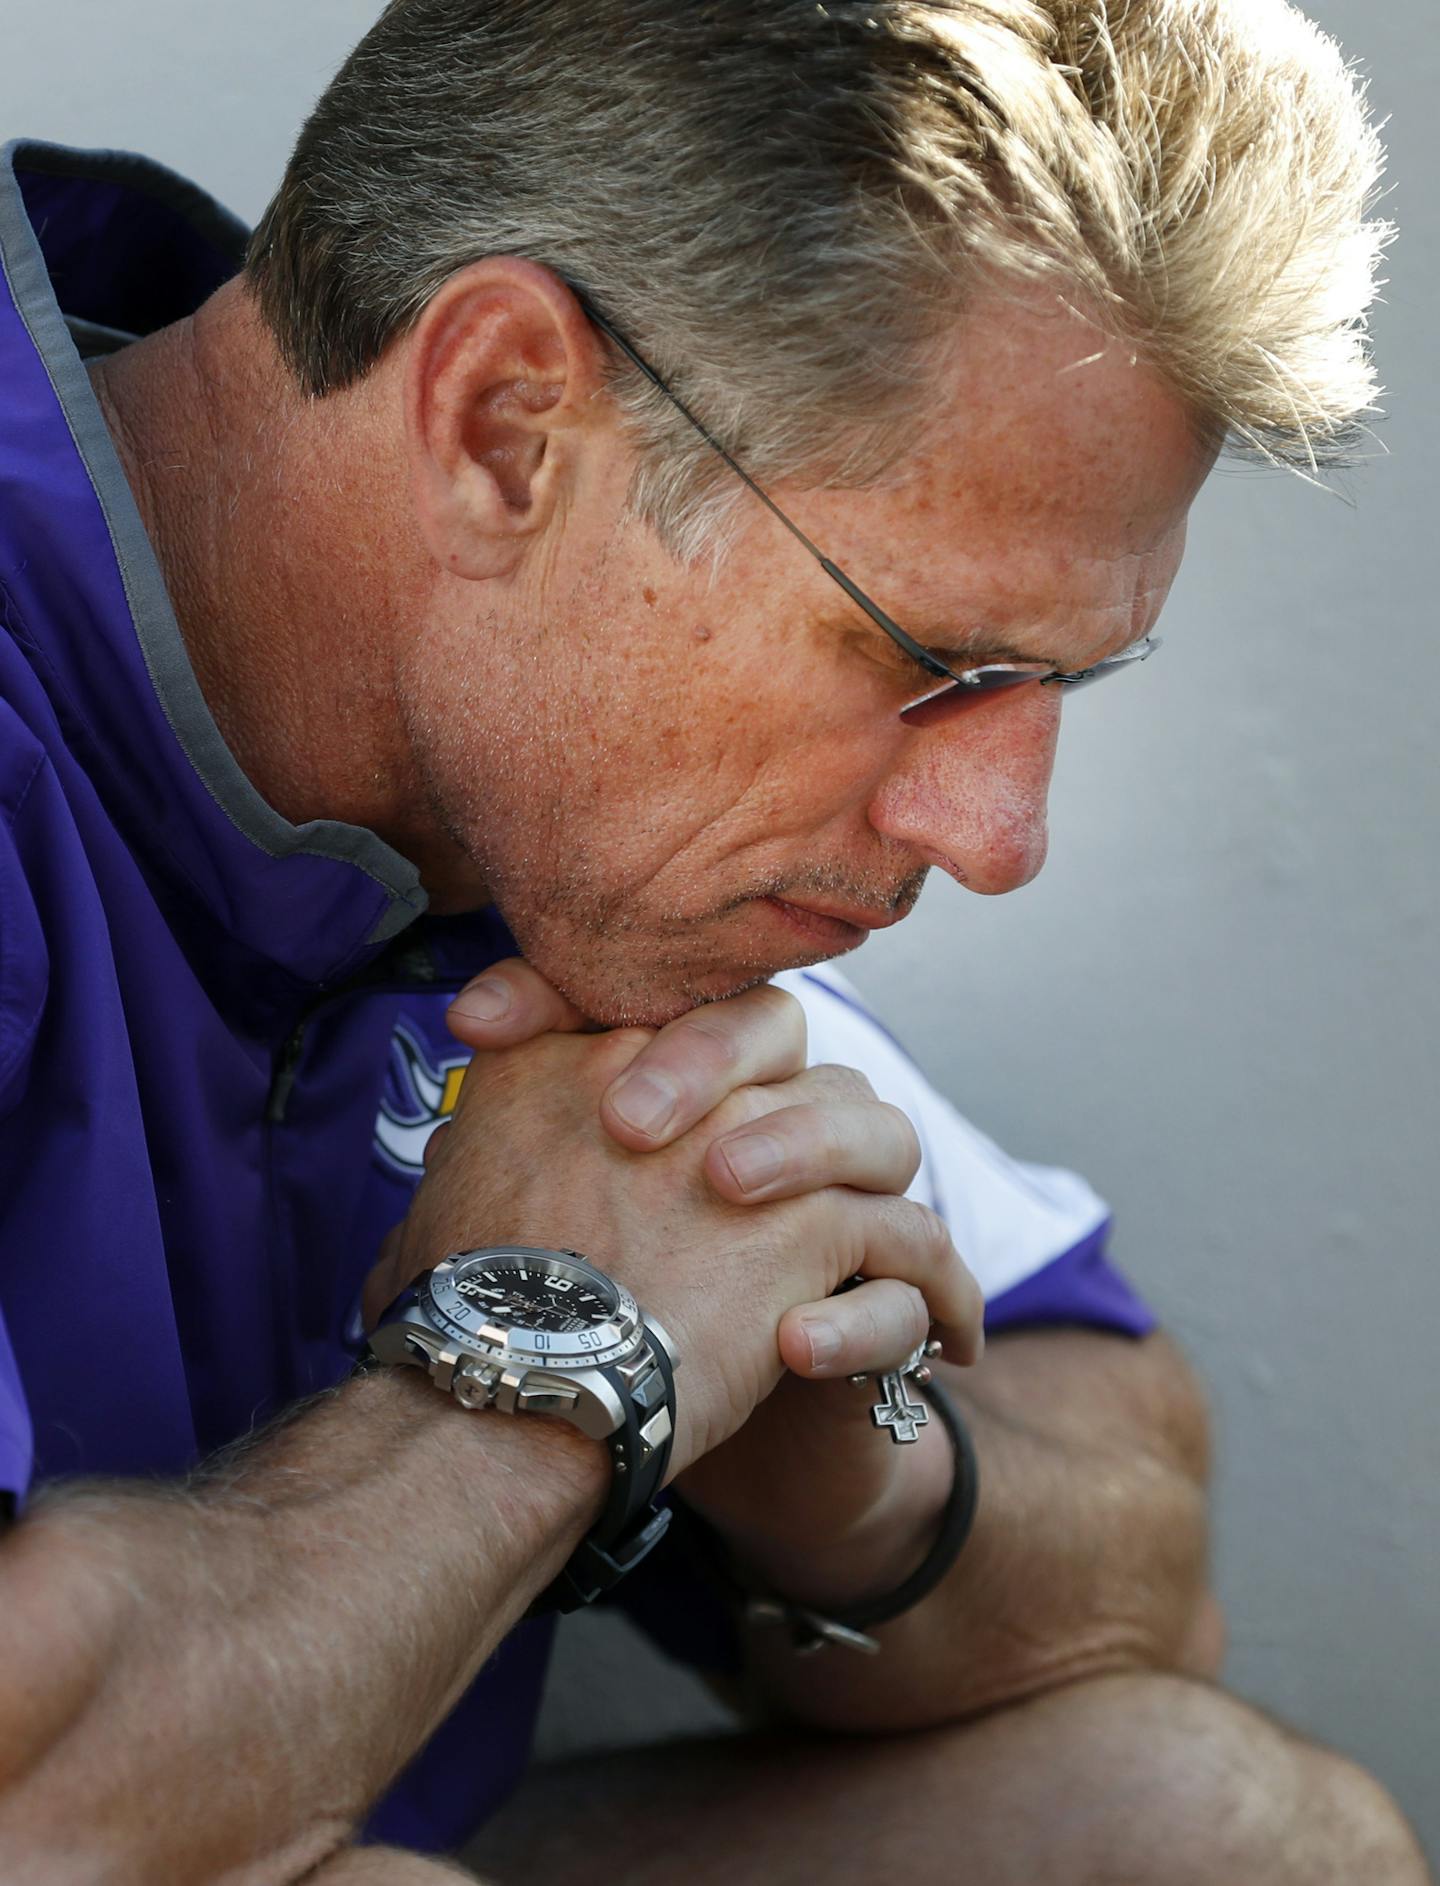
(948, 865)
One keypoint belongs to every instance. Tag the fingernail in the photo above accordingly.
(645, 1101)
(824, 1341)
(754, 1160)
(484, 1001)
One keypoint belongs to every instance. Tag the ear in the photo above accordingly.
(502, 366)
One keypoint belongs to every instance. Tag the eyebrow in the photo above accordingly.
(979, 653)
(976, 649)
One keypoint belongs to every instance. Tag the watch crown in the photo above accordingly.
(474, 1385)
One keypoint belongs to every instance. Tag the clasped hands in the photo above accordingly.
(732, 1188)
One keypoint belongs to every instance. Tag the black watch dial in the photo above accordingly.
(542, 1305)
(513, 1293)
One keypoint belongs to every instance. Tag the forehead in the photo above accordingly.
(1054, 464)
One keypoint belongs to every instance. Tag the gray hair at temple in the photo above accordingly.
(785, 204)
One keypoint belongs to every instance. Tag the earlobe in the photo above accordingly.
(500, 366)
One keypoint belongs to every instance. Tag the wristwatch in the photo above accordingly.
(532, 1331)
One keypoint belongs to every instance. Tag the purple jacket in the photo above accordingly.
(221, 1035)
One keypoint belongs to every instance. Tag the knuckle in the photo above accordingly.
(873, 1323)
(905, 1128)
(628, 1040)
(931, 1232)
(763, 1027)
(709, 1036)
(742, 1106)
(847, 1082)
(894, 1314)
(917, 1315)
(824, 1126)
(856, 1316)
(607, 1056)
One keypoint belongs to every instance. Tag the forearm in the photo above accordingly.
(1088, 1555)
(216, 1682)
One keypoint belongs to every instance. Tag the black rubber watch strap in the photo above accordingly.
(636, 1482)
(631, 1525)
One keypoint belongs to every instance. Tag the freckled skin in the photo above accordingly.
(1048, 504)
(627, 754)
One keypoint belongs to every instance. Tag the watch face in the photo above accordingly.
(541, 1305)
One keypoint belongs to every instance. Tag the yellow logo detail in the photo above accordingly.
(450, 1098)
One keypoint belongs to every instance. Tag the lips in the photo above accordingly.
(858, 919)
(822, 926)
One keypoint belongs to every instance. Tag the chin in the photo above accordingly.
(620, 988)
(624, 1004)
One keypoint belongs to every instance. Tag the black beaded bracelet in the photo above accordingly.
(811, 1630)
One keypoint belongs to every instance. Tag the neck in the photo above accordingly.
(281, 563)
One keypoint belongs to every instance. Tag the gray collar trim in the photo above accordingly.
(156, 628)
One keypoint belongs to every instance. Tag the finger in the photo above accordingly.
(695, 1062)
(509, 1004)
(866, 1144)
(876, 1327)
(900, 1238)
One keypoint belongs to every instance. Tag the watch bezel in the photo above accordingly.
(513, 1343)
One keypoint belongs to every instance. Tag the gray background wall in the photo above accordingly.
(1219, 1001)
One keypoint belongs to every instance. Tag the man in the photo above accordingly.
(468, 612)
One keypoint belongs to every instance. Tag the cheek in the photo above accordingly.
(730, 746)
(659, 748)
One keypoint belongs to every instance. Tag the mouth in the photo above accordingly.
(842, 929)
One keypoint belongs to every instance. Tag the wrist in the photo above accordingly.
(530, 1482)
(874, 1555)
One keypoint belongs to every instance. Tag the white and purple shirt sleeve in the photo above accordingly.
(1034, 1237)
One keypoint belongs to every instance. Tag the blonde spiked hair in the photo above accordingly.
(1205, 169)
(785, 204)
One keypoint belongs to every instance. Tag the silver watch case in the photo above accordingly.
(490, 1365)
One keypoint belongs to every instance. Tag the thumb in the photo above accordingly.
(509, 1004)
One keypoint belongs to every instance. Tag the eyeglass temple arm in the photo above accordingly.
(916, 650)
(877, 615)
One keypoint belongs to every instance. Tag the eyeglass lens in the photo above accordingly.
(947, 702)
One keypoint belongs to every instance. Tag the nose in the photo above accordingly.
(969, 795)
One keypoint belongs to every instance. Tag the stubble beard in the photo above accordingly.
(620, 962)
(624, 967)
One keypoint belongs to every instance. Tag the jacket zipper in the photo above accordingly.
(287, 1070)
(421, 979)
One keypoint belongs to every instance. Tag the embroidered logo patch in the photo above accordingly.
(420, 1094)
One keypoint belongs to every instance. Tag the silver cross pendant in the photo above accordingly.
(896, 1411)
